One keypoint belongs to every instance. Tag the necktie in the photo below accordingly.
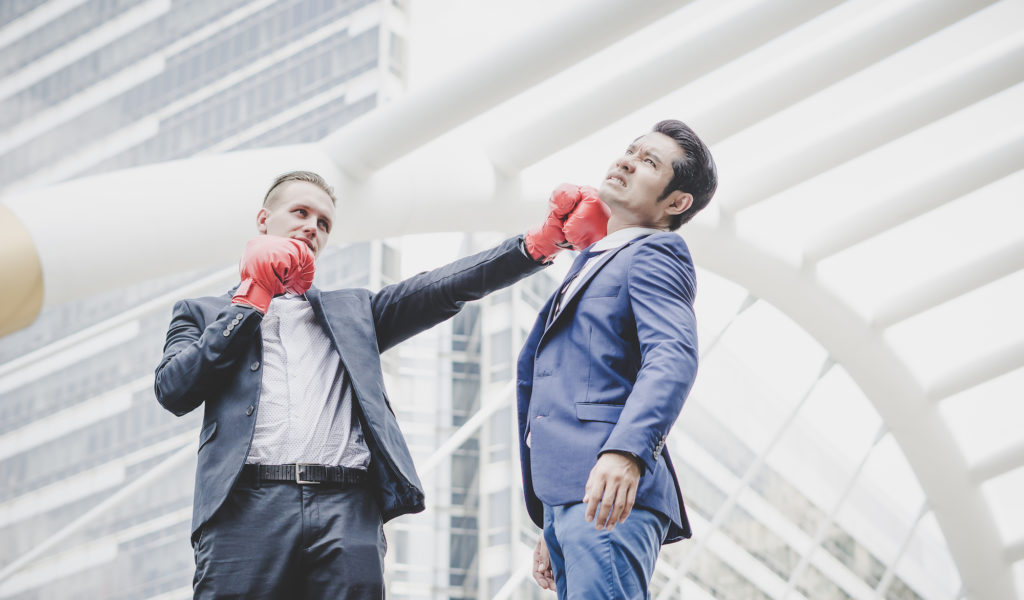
(574, 272)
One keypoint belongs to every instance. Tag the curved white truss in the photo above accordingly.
(906, 408)
(397, 180)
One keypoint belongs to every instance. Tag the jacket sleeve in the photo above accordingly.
(194, 357)
(661, 290)
(404, 309)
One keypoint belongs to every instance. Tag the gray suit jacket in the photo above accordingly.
(213, 356)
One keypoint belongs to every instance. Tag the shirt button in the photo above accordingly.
(254, 366)
(248, 411)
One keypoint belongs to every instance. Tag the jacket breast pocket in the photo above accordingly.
(607, 413)
(207, 434)
(602, 291)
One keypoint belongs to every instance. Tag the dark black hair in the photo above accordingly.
(696, 173)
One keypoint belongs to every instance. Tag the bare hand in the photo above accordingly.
(542, 566)
(612, 485)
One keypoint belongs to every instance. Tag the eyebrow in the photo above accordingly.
(647, 151)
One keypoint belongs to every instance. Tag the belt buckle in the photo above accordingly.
(298, 468)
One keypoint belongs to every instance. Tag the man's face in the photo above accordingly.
(637, 179)
(299, 210)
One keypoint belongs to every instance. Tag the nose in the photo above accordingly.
(625, 163)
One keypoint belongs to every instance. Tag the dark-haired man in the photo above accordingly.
(603, 376)
(301, 460)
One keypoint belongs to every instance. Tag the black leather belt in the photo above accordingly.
(305, 474)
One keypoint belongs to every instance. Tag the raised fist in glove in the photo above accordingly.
(273, 265)
(547, 239)
(588, 222)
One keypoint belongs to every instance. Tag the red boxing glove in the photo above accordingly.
(299, 279)
(565, 198)
(588, 223)
(546, 240)
(270, 266)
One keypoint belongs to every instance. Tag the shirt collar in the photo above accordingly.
(623, 236)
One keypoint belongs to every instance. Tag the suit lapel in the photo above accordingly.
(570, 299)
(549, 308)
(346, 316)
(313, 296)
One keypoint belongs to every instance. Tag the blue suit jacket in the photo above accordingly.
(213, 356)
(611, 372)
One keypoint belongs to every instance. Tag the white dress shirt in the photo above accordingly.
(305, 410)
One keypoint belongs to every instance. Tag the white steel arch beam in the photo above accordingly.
(377, 139)
(195, 207)
(388, 133)
(182, 215)
(972, 275)
(909, 414)
(1001, 462)
(973, 78)
(979, 370)
(45, 250)
(890, 27)
(973, 170)
(708, 44)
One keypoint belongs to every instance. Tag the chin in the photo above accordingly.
(608, 193)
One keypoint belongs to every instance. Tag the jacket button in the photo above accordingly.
(254, 366)
(238, 316)
(248, 411)
(226, 333)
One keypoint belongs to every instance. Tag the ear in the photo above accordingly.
(678, 202)
(261, 220)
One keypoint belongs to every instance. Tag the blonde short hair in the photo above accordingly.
(307, 176)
